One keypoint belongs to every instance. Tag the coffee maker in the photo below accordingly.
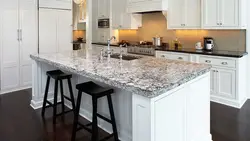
(208, 43)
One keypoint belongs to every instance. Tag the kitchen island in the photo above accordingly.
(154, 99)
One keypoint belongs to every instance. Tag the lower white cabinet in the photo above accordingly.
(18, 39)
(223, 83)
(228, 76)
(55, 30)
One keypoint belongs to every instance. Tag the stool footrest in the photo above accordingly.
(50, 104)
(69, 99)
(84, 127)
(104, 118)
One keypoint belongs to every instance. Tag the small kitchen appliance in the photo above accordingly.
(208, 43)
(157, 41)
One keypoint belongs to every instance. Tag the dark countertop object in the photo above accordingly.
(105, 44)
(224, 53)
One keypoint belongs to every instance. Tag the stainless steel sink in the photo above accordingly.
(125, 57)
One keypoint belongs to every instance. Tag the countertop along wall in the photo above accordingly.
(155, 24)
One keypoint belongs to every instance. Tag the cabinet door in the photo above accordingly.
(47, 31)
(117, 13)
(9, 45)
(192, 14)
(103, 8)
(64, 30)
(176, 14)
(213, 81)
(226, 83)
(210, 13)
(229, 13)
(29, 36)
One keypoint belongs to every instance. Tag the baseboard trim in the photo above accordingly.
(231, 103)
(2, 92)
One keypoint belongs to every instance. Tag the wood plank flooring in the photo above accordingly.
(19, 122)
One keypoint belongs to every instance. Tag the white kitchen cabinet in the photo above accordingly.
(123, 20)
(55, 30)
(172, 56)
(103, 35)
(103, 9)
(57, 4)
(18, 39)
(223, 14)
(228, 76)
(184, 14)
(226, 86)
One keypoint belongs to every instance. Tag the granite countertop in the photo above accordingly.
(105, 44)
(224, 53)
(147, 76)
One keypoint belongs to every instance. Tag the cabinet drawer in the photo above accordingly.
(181, 57)
(218, 62)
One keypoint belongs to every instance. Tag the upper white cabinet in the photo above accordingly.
(18, 39)
(224, 14)
(103, 9)
(134, 6)
(55, 30)
(184, 14)
(58, 4)
(123, 20)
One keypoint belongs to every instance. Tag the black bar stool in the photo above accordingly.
(58, 76)
(96, 92)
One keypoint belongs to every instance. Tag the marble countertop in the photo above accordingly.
(147, 76)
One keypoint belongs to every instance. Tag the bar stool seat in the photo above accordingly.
(58, 76)
(93, 89)
(96, 92)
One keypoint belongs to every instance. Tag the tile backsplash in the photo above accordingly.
(155, 24)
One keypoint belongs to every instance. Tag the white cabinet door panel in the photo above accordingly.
(28, 43)
(9, 49)
(226, 83)
(210, 13)
(213, 82)
(193, 13)
(229, 13)
(47, 31)
(176, 13)
(64, 30)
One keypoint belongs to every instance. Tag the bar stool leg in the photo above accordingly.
(71, 94)
(45, 96)
(76, 116)
(55, 101)
(94, 120)
(62, 98)
(112, 115)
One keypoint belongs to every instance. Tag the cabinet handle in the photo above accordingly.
(18, 35)
(21, 34)
(180, 58)
(162, 55)
(224, 63)
(208, 61)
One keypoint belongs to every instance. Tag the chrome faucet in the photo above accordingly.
(109, 40)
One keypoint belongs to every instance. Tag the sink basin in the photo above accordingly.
(125, 57)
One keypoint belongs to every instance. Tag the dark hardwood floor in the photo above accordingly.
(19, 122)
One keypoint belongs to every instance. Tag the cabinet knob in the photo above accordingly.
(162, 55)
(180, 58)
(208, 61)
